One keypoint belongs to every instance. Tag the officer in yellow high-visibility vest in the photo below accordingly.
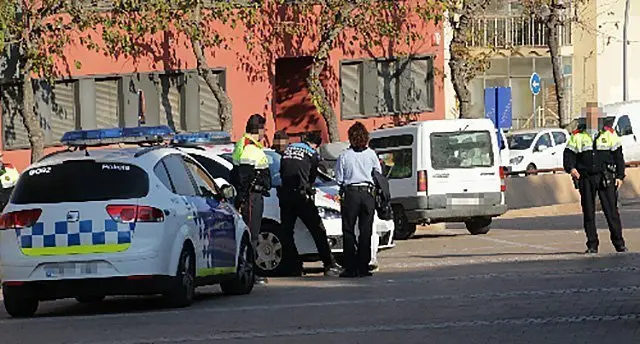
(594, 159)
(251, 177)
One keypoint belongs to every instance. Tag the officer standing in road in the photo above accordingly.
(251, 177)
(594, 159)
(354, 174)
(298, 170)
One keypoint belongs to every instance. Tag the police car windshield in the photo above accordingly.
(521, 141)
(80, 181)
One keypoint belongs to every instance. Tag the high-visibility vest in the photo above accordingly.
(581, 141)
(249, 152)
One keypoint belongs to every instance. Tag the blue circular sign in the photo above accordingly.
(534, 83)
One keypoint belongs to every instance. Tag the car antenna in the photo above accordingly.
(465, 128)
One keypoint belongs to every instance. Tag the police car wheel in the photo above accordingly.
(17, 305)
(271, 253)
(90, 298)
(183, 290)
(403, 230)
(478, 225)
(245, 277)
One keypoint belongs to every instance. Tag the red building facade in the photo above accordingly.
(379, 87)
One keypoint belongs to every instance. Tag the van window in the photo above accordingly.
(624, 126)
(397, 164)
(391, 141)
(92, 181)
(463, 149)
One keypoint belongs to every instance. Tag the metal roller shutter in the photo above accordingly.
(14, 132)
(170, 111)
(350, 75)
(107, 103)
(63, 116)
(421, 96)
(209, 106)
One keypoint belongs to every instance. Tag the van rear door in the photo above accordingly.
(465, 166)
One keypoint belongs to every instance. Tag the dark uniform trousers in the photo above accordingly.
(251, 211)
(358, 204)
(294, 205)
(589, 186)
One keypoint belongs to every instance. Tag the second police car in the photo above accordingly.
(213, 150)
(142, 220)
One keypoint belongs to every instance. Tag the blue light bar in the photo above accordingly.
(101, 137)
(209, 137)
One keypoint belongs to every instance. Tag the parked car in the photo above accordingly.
(536, 149)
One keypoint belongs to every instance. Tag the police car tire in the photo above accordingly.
(18, 306)
(478, 225)
(286, 267)
(244, 279)
(183, 289)
(403, 230)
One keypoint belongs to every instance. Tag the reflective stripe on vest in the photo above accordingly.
(583, 142)
(249, 152)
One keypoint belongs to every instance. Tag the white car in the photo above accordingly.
(142, 220)
(269, 256)
(536, 149)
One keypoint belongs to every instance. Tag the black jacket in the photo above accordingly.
(299, 167)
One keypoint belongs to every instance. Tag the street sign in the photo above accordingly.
(534, 83)
(497, 106)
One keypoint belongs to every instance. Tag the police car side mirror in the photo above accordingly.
(228, 191)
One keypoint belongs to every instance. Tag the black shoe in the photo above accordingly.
(365, 274)
(333, 270)
(348, 274)
(622, 249)
(591, 251)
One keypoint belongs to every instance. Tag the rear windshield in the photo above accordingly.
(80, 181)
(461, 149)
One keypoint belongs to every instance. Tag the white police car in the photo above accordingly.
(213, 151)
(141, 220)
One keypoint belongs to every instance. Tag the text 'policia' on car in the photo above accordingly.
(143, 219)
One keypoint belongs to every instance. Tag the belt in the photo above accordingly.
(359, 187)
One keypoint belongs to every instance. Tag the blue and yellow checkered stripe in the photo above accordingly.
(80, 237)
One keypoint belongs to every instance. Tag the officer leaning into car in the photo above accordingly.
(354, 174)
(298, 171)
(251, 177)
(594, 159)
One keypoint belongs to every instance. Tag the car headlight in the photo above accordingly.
(328, 213)
(516, 160)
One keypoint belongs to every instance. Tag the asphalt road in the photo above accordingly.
(524, 282)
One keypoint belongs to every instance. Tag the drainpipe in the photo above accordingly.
(625, 40)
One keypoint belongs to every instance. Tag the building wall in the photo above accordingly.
(249, 76)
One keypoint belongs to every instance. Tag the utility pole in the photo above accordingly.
(625, 40)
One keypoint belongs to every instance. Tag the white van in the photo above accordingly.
(442, 171)
(624, 117)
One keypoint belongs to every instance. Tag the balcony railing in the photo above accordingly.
(514, 31)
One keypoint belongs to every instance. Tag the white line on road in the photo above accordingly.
(271, 307)
(519, 244)
(381, 328)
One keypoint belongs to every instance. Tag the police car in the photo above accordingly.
(139, 220)
(213, 150)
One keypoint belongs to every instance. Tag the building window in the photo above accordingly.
(63, 110)
(388, 84)
(209, 105)
(170, 87)
(14, 133)
(421, 90)
(107, 103)
(351, 82)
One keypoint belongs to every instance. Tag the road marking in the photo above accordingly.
(519, 244)
(510, 294)
(382, 328)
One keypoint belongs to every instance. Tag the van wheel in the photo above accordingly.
(478, 225)
(17, 305)
(403, 229)
(272, 253)
(531, 170)
(183, 288)
(245, 277)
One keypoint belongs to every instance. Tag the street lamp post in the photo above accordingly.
(625, 39)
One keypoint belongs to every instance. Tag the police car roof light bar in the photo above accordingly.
(102, 137)
(207, 137)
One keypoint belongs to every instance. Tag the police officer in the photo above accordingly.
(251, 178)
(594, 159)
(353, 170)
(280, 141)
(298, 170)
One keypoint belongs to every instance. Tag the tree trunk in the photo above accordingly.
(552, 24)
(458, 61)
(320, 101)
(225, 109)
(29, 118)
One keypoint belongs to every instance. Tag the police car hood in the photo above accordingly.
(327, 196)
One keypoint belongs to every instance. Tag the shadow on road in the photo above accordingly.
(497, 254)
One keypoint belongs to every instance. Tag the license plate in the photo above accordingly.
(70, 269)
(465, 201)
